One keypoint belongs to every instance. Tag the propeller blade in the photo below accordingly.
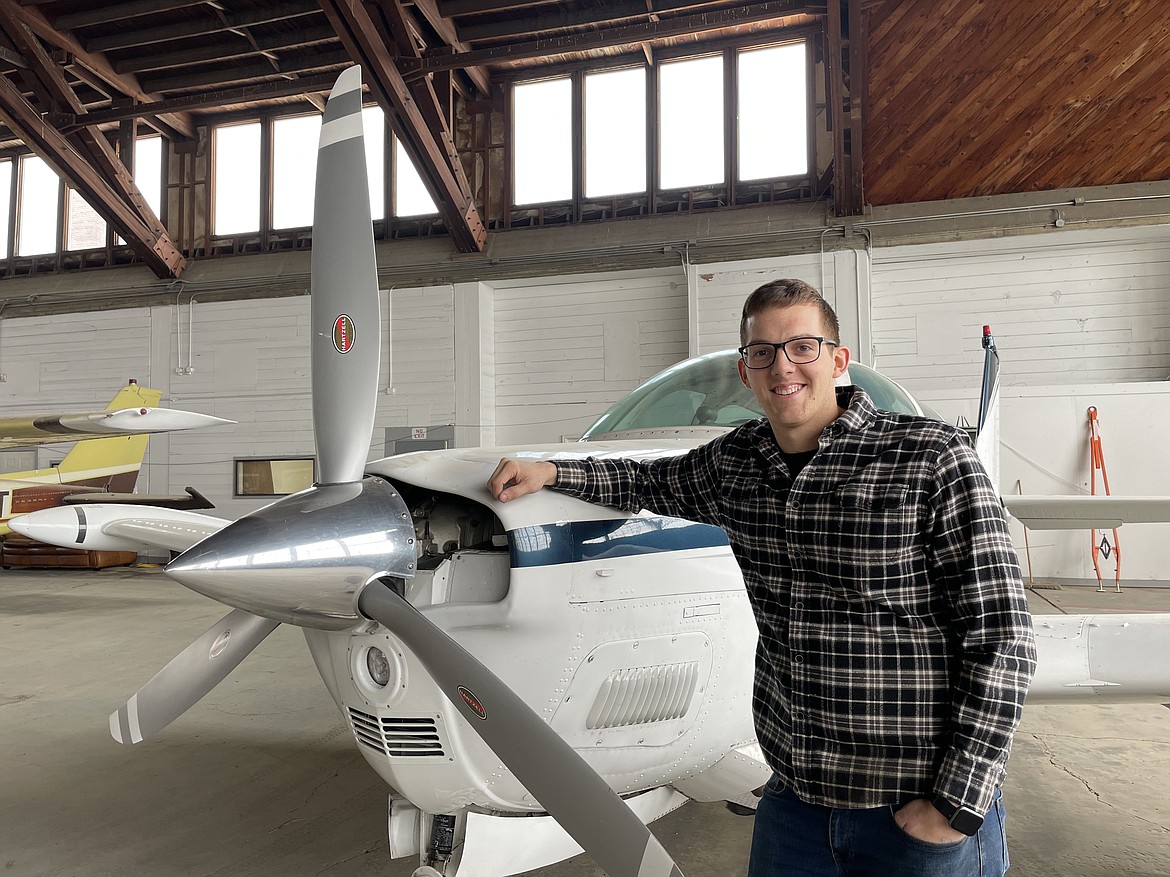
(346, 322)
(564, 784)
(191, 674)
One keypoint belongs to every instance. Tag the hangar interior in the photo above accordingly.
(957, 166)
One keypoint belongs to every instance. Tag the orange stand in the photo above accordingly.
(1097, 461)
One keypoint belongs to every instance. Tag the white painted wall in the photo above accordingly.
(533, 360)
(1044, 449)
(568, 347)
(1080, 307)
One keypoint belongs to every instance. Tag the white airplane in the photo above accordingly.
(105, 460)
(580, 667)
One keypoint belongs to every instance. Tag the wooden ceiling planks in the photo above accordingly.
(972, 99)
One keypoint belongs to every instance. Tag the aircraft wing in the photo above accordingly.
(42, 429)
(190, 500)
(116, 527)
(1087, 512)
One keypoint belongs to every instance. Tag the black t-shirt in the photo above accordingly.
(797, 461)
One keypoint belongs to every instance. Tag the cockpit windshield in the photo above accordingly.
(706, 392)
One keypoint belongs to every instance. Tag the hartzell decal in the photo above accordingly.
(343, 334)
(473, 702)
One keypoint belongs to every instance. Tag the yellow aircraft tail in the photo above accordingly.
(117, 455)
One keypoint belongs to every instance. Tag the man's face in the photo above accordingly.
(799, 400)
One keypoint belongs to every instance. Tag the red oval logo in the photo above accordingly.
(472, 702)
(343, 334)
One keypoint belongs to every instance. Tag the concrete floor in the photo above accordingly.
(261, 779)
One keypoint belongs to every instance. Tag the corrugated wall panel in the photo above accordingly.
(568, 349)
(73, 361)
(721, 290)
(1079, 307)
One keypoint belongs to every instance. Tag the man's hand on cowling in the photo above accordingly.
(515, 478)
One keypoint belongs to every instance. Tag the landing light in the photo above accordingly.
(378, 666)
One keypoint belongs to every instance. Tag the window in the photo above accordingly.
(84, 228)
(773, 123)
(148, 171)
(294, 170)
(663, 137)
(37, 219)
(615, 132)
(273, 476)
(690, 119)
(5, 205)
(236, 169)
(542, 131)
(374, 128)
(410, 195)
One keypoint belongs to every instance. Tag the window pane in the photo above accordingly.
(773, 120)
(541, 141)
(5, 206)
(275, 477)
(36, 217)
(236, 160)
(615, 132)
(374, 124)
(294, 170)
(84, 229)
(690, 97)
(410, 195)
(148, 171)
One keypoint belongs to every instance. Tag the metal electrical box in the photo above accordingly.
(404, 439)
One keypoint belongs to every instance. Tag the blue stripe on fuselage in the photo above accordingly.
(550, 544)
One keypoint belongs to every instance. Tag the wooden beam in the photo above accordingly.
(173, 125)
(262, 13)
(151, 243)
(315, 60)
(604, 14)
(223, 51)
(442, 25)
(632, 35)
(12, 58)
(107, 12)
(305, 87)
(845, 89)
(433, 152)
(451, 8)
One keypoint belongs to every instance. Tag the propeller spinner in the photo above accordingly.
(334, 555)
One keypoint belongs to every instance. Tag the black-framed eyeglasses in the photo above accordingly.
(798, 350)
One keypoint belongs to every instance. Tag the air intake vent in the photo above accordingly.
(397, 737)
(641, 695)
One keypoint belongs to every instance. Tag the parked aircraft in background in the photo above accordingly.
(582, 667)
(105, 460)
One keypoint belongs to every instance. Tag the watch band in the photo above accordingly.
(962, 819)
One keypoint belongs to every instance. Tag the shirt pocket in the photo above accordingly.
(870, 532)
(870, 496)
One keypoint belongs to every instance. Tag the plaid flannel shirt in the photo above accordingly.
(895, 645)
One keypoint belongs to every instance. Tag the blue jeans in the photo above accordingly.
(795, 839)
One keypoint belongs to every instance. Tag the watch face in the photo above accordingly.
(966, 821)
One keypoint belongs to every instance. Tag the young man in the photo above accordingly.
(895, 643)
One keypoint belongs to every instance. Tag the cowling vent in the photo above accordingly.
(641, 695)
(397, 737)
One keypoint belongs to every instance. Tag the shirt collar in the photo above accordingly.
(859, 414)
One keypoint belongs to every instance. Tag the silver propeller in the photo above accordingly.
(266, 563)
(328, 557)
(346, 323)
(190, 675)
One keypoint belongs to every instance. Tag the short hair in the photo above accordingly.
(784, 294)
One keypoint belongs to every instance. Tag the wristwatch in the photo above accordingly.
(962, 819)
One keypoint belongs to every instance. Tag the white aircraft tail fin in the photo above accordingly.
(987, 434)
